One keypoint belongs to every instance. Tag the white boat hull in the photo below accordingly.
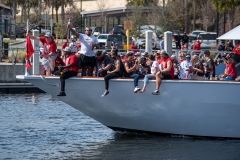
(196, 108)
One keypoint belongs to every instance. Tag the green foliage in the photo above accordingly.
(61, 30)
(138, 18)
(225, 5)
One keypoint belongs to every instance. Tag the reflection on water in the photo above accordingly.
(38, 126)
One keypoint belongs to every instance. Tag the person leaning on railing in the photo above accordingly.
(197, 66)
(230, 71)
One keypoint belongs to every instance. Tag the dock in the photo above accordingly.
(16, 88)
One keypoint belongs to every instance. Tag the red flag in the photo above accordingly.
(28, 64)
(29, 48)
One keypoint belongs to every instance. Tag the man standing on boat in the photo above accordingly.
(49, 51)
(69, 70)
(88, 42)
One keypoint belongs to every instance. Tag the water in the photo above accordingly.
(38, 126)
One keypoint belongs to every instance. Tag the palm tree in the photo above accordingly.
(224, 6)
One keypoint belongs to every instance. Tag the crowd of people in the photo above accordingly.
(73, 60)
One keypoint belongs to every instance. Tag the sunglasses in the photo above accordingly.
(87, 30)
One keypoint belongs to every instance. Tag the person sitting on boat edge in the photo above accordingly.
(143, 68)
(115, 71)
(103, 63)
(184, 67)
(131, 70)
(198, 71)
(154, 71)
(209, 66)
(58, 60)
(176, 66)
(230, 71)
(67, 71)
(166, 70)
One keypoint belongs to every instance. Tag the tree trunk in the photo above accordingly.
(62, 13)
(56, 14)
(186, 16)
(194, 14)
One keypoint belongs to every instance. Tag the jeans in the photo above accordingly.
(229, 78)
(136, 77)
(110, 76)
(147, 76)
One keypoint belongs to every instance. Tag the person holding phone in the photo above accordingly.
(131, 70)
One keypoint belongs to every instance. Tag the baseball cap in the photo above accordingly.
(67, 49)
(207, 52)
(164, 52)
(188, 56)
(129, 54)
(173, 57)
(137, 54)
(98, 53)
(47, 34)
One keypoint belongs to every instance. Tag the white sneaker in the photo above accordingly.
(136, 89)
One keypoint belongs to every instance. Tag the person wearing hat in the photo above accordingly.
(58, 60)
(176, 66)
(197, 45)
(131, 70)
(103, 63)
(115, 71)
(70, 69)
(88, 42)
(49, 51)
(166, 70)
(209, 66)
(184, 67)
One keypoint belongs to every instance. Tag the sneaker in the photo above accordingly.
(105, 93)
(136, 89)
(156, 92)
(62, 94)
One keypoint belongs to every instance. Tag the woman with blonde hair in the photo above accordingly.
(230, 71)
(184, 67)
(198, 70)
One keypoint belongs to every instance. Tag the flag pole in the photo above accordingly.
(26, 72)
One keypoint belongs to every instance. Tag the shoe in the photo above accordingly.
(136, 89)
(105, 93)
(62, 94)
(156, 92)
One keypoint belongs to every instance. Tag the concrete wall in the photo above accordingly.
(8, 72)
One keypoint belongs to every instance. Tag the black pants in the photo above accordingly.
(66, 74)
(178, 45)
(110, 76)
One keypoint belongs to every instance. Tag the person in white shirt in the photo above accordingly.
(184, 67)
(154, 70)
(87, 55)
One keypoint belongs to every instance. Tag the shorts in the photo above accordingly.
(166, 76)
(54, 56)
(84, 61)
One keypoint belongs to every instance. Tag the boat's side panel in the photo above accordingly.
(188, 108)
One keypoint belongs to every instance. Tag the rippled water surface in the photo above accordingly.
(38, 126)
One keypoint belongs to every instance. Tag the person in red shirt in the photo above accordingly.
(64, 45)
(230, 71)
(49, 51)
(197, 45)
(58, 61)
(166, 70)
(68, 70)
